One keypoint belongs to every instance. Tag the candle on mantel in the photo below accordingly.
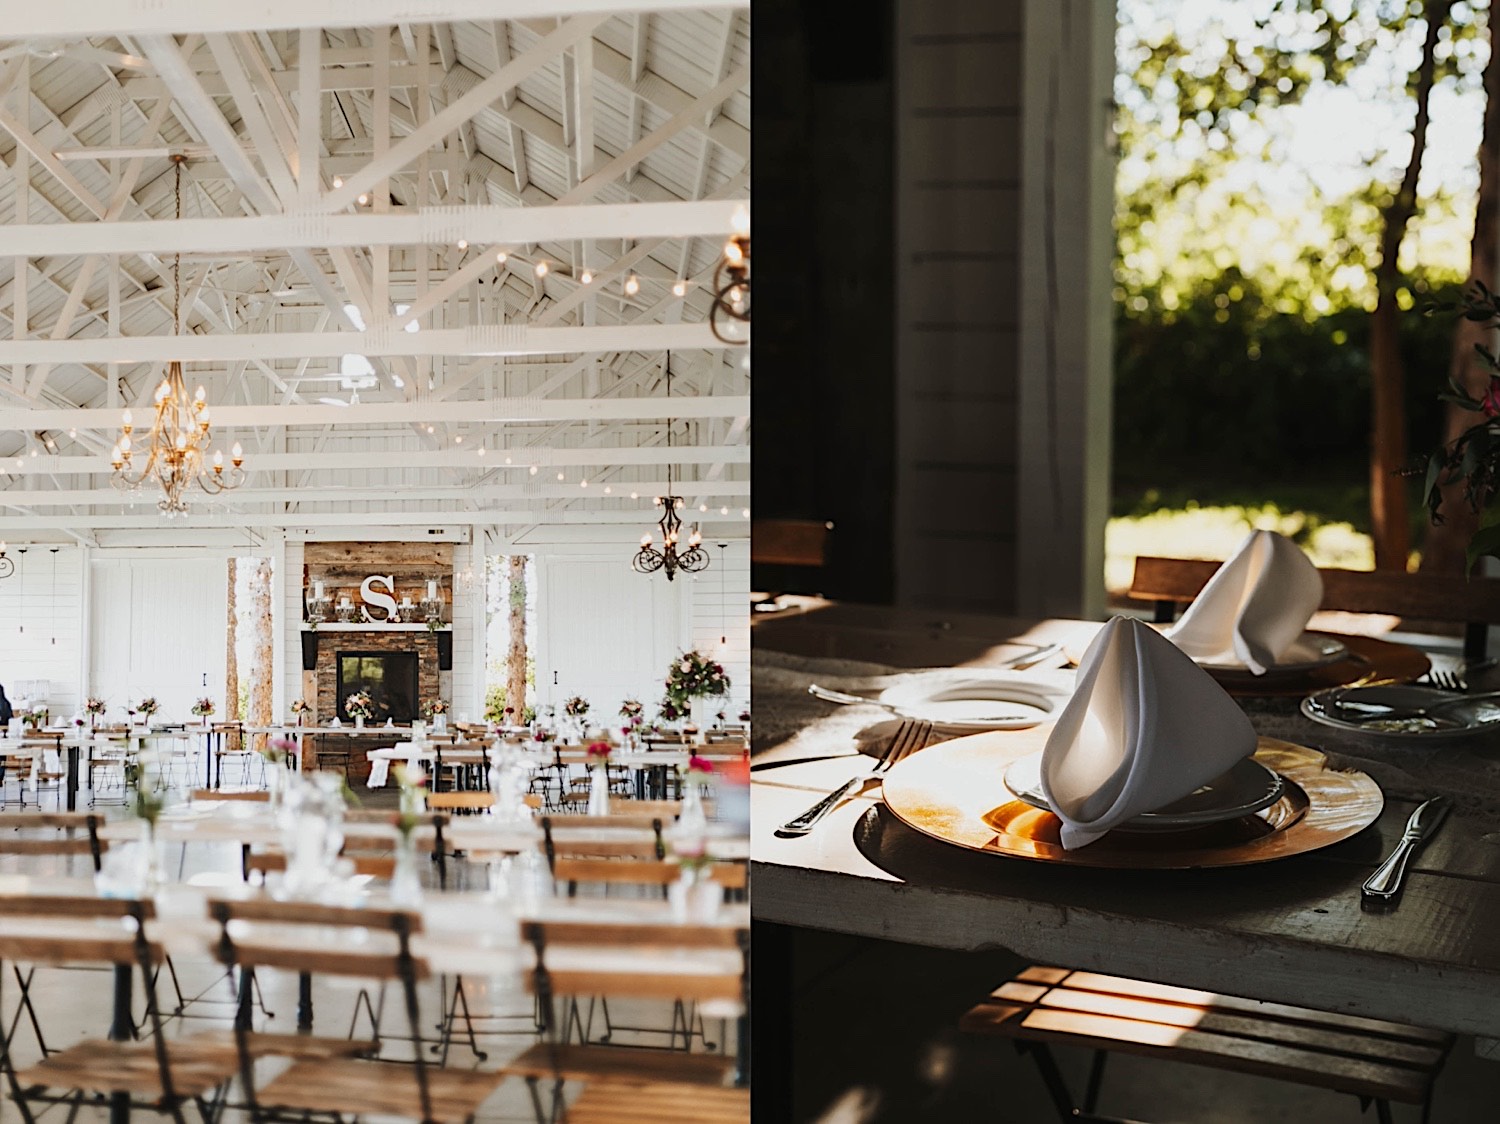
(406, 601)
(318, 591)
(432, 591)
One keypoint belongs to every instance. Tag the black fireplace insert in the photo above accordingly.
(390, 679)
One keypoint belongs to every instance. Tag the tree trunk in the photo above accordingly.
(1389, 513)
(515, 658)
(231, 661)
(260, 684)
(1443, 550)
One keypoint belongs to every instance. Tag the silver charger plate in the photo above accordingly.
(1242, 791)
(1461, 720)
(1310, 650)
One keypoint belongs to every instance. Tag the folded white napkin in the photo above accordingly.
(1145, 726)
(1254, 607)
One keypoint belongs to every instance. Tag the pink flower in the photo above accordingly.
(599, 750)
(698, 764)
(1491, 401)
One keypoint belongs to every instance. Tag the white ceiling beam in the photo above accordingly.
(384, 494)
(398, 413)
(551, 456)
(206, 514)
(76, 19)
(483, 339)
(461, 109)
(433, 226)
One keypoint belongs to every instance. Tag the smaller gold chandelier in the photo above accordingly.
(181, 434)
(732, 284)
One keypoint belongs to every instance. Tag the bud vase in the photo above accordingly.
(599, 790)
(695, 897)
(359, 721)
(406, 883)
(692, 817)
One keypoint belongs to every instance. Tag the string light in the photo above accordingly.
(463, 243)
(632, 285)
(679, 289)
(587, 277)
(500, 258)
(541, 269)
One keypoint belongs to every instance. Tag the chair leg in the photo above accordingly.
(1383, 1111)
(1052, 1077)
(1096, 1079)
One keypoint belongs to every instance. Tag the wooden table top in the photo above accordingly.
(1291, 931)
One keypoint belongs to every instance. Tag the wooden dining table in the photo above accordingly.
(1295, 930)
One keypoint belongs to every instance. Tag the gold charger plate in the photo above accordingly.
(954, 792)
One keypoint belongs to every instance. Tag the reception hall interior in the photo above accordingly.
(375, 506)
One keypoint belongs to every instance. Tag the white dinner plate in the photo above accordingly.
(1461, 720)
(974, 699)
(1310, 650)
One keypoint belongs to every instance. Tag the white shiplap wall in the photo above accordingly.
(606, 632)
(464, 685)
(157, 627)
(41, 626)
(290, 608)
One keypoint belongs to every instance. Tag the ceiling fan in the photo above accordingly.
(50, 49)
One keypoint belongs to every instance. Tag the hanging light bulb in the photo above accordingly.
(632, 285)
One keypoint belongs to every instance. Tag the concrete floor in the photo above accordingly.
(865, 1034)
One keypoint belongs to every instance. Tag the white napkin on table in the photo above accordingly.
(1254, 607)
(1145, 727)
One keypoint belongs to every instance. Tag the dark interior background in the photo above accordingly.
(824, 365)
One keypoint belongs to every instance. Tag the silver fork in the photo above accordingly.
(1447, 680)
(910, 736)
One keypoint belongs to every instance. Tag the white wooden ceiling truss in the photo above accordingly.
(433, 262)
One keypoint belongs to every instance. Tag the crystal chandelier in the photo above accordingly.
(178, 453)
(649, 559)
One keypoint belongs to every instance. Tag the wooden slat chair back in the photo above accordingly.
(65, 833)
(69, 931)
(641, 1084)
(1371, 1059)
(261, 933)
(375, 866)
(1171, 583)
(641, 872)
(250, 795)
(564, 836)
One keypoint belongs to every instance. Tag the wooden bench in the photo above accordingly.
(1373, 1060)
(1171, 583)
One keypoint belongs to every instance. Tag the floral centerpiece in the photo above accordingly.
(145, 708)
(576, 707)
(203, 707)
(434, 707)
(633, 710)
(299, 708)
(543, 736)
(406, 883)
(94, 706)
(35, 718)
(359, 706)
(146, 804)
(695, 676)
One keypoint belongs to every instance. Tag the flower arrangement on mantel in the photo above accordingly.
(203, 707)
(692, 676)
(576, 707)
(433, 707)
(360, 705)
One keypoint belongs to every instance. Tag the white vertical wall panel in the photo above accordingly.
(41, 626)
(606, 632)
(466, 690)
(157, 628)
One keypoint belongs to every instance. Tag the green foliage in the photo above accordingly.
(1227, 389)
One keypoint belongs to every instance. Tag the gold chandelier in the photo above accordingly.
(181, 434)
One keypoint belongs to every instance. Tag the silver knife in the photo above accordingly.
(1385, 883)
